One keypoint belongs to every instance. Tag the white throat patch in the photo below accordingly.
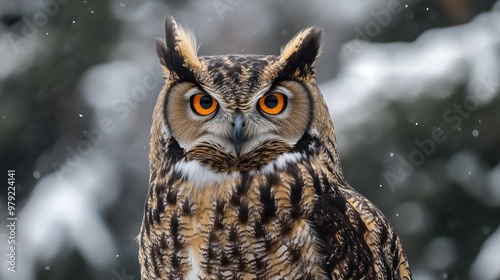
(281, 162)
(200, 175)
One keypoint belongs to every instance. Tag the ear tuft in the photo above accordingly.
(300, 53)
(178, 53)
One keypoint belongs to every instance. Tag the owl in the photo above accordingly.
(245, 179)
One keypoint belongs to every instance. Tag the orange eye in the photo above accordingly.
(203, 104)
(273, 104)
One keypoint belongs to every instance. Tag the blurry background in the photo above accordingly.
(413, 89)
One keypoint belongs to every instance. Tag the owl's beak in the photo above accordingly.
(238, 132)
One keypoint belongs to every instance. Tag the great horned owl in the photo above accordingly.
(245, 179)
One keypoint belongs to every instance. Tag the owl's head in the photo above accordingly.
(237, 112)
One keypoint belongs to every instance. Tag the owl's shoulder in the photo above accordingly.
(355, 231)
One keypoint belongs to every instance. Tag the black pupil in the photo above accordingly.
(206, 102)
(271, 101)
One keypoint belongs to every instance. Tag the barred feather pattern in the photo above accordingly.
(298, 221)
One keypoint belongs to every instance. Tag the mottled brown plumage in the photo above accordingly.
(245, 179)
